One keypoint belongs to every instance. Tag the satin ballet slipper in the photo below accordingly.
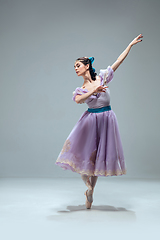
(88, 200)
(90, 192)
(90, 195)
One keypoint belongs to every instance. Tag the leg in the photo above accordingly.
(85, 178)
(90, 184)
(90, 192)
(93, 181)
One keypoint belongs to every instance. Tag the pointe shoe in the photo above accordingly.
(90, 196)
(88, 203)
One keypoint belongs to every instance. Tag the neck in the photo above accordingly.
(87, 77)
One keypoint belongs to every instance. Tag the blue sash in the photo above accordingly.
(97, 110)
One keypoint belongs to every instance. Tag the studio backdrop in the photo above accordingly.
(39, 43)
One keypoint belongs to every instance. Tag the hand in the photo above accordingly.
(136, 40)
(100, 89)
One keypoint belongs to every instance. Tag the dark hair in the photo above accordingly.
(86, 61)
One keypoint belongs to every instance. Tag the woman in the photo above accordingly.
(93, 148)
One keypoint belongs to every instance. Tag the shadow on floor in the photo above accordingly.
(99, 208)
(96, 213)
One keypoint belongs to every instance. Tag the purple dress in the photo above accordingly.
(94, 146)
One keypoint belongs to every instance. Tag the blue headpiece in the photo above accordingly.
(92, 60)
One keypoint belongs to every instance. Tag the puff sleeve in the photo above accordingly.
(106, 75)
(78, 91)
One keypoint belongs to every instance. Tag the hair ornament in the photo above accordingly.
(91, 59)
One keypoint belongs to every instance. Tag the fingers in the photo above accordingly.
(102, 88)
(105, 88)
(140, 36)
(138, 39)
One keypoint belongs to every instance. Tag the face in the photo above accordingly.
(80, 68)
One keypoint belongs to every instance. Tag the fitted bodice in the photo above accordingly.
(102, 100)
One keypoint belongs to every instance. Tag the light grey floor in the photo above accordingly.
(54, 209)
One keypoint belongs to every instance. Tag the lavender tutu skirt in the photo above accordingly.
(94, 146)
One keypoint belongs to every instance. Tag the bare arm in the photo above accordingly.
(83, 97)
(124, 54)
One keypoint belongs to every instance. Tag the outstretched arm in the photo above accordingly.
(124, 54)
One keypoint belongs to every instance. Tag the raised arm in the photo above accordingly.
(124, 54)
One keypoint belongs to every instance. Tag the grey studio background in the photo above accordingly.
(39, 42)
